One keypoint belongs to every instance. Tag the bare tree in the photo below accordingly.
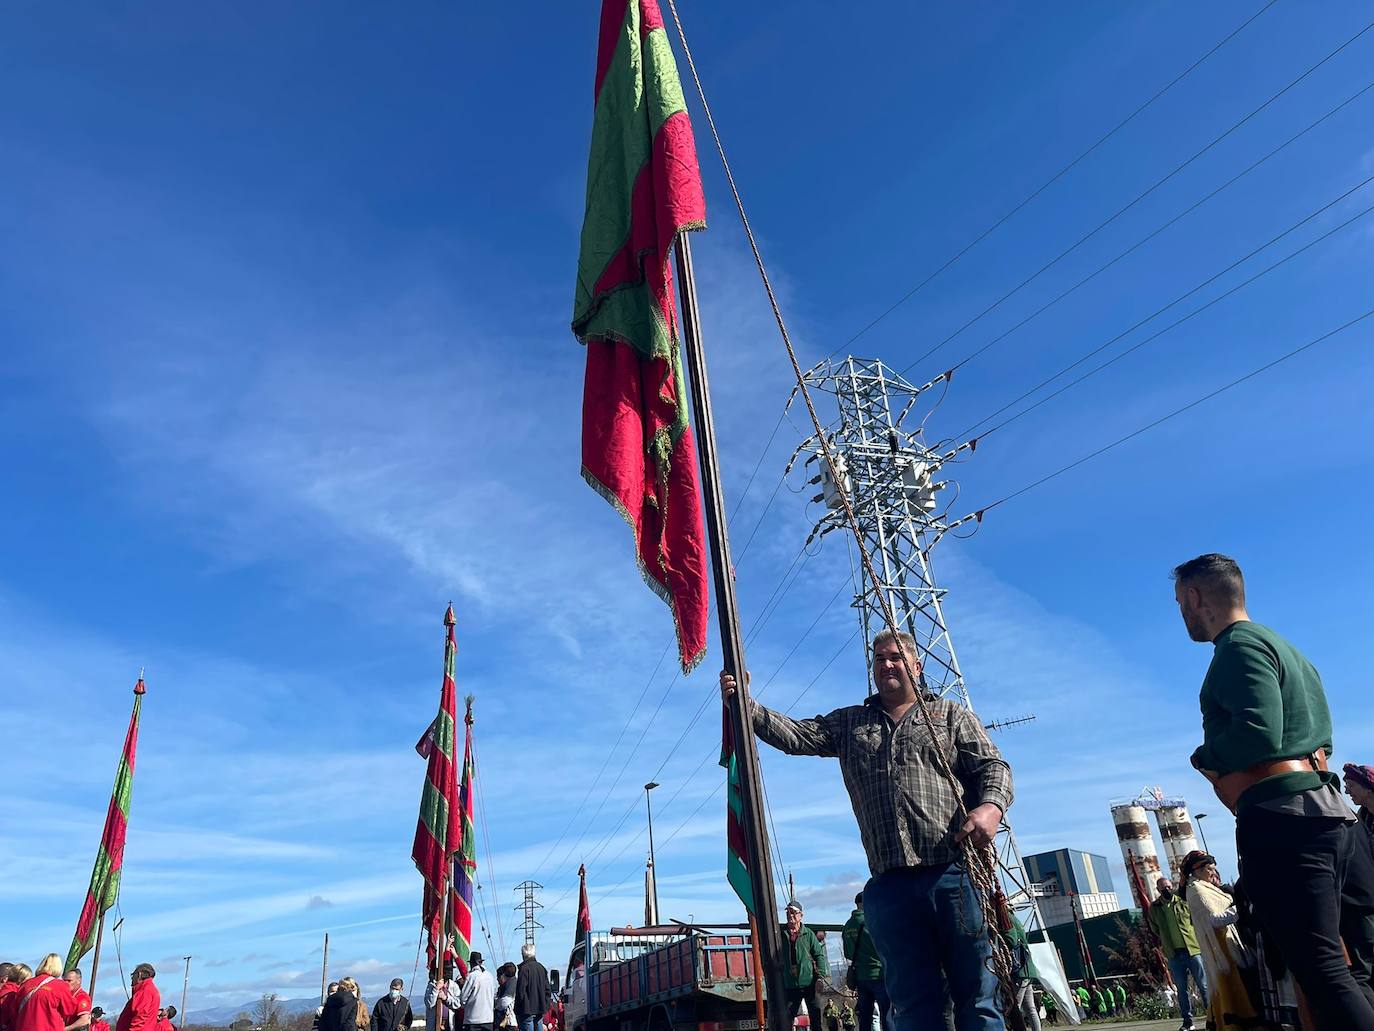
(267, 1013)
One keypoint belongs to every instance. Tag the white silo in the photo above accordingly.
(1176, 830)
(1133, 831)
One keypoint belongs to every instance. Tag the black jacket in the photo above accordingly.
(391, 1015)
(531, 989)
(340, 1012)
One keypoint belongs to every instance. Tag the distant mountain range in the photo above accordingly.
(224, 1015)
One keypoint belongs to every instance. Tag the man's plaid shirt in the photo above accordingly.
(907, 814)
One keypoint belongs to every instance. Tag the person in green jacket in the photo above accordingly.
(807, 968)
(1085, 1001)
(1023, 967)
(1051, 1008)
(1266, 737)
(831, 1013)
(1120, 998)
(868, 969)
(847, 1017)
(1172, 921)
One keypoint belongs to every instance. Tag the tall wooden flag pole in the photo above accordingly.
(765, 908)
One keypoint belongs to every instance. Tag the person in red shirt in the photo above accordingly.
(166, 1023)
(98, 1021)
(9, 985)
(45, 1002)
(140, 1012)
(83, 1001)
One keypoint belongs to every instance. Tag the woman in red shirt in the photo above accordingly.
(45, 1002)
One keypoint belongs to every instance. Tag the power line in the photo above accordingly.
(1054, 178)
(1150, 236)
(1163, 419)
(1138, 198)
(1177, 322)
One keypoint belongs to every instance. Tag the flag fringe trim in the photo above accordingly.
(689, 663)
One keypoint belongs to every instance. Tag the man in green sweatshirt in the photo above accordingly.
(1266, 733)
(867, 968)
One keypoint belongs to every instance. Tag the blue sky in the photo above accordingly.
(284, 305)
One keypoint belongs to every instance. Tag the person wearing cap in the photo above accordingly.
(1357, 896)
(920, 906)
(1266, 739)
(806, 968)
(1224, 956)
(477, 996)
(98, 1021)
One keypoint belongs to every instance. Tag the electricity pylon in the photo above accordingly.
(890, 474)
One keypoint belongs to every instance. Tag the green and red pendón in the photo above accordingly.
(109, 860)
(643, 189)
(444, 828)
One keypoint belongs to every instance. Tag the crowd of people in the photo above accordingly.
(518, 998)
(926, 783)
(47, 999)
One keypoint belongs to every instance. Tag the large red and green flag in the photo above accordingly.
(438, 832)
(643, 189)
(736, 843)
(109, 860)
(465, 861)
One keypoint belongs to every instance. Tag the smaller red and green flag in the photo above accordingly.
(583, 929)
(736, 842)
(438, 831)
(465, 861)
(109, 859)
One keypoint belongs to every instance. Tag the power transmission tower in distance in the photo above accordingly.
(891, 476)
(528, 905)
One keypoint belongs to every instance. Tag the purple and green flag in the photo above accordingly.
(109, 860)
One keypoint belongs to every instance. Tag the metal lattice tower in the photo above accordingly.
(891, 476)
(528, 906)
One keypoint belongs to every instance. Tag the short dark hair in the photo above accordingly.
(1218, 576)
(858, 899)
(145, 971)
(171, 1012)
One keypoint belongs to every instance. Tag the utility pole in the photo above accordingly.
(185, 983)
(891, 476)
(324, 969)
(528, 905)
(651, 874)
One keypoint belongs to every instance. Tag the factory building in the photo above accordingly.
(1065, 879)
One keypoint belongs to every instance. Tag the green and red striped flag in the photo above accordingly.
(438, 831)
(109, 860)
(643, 189)
(736, 843)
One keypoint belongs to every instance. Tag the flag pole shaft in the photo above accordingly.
(324, 970)
(95, 958)
(185, 983)
(767, 934)
(758, 972)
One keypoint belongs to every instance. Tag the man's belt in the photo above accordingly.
(1229, 787)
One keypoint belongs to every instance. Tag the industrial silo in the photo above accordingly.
(1138, 844)
(1176, 830)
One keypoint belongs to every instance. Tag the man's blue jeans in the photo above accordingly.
(1181, 967)
(924, 920)
(531, 1023)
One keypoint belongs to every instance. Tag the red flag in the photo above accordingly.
(109, 859)
(643, 189)
(439, 829)
(584, 910)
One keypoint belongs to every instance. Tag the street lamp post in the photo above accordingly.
(1199, 817)
(653, 877)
